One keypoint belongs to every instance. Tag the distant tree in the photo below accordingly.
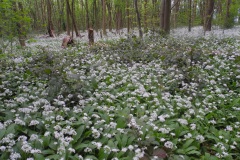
(14, 23)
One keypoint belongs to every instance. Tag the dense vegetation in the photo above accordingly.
(172, 98)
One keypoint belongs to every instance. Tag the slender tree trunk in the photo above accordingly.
(227, 18)
(73, 17)
(128, 17)
(50, 23)
(189, 15)
(104, 17)
(209, 15)
(68, 19)
(138, 18)
(109, 15)
(176, 10)
(87, 14)
(145, 16)
(194, 11)
(95, 10)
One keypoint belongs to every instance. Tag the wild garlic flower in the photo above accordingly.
(200, 138)
(168, 144)
(33, 123)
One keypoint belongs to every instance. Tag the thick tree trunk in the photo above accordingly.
(91, 36)
(165, 16)
(208, 15)
(20, 28)
(138, 18)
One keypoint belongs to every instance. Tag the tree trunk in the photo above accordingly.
(73, 17)
(189, 15)
(50, 24)
(68, 20)
(109, 16)
(165, 16)
(145, 17)
(227, 18)
(20, 27)
(87, 14)
(104, 17)
(91, 36)
(208, 15)
(128, 17)
(138, 18)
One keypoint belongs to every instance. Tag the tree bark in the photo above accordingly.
(138, 18)
(227, 18)
(128, 17)
(87, 14)
(20, 27)
(104, 17)
(50, 24)
(109, 15)
(68, 20)
(208, 15)
(72, 17)
(91, 36)
(189, 15)
(165, 16)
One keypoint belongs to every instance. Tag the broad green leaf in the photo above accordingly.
(48, 152)
(2, 133)
(187, 143)
(79, 131)
(194, 152)
(39, 157)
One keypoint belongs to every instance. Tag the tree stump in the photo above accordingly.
(91, 36)
(67, 41)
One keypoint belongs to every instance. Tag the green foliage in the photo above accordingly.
(123, 99)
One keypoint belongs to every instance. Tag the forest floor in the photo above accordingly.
(175, 98)
(44, 41)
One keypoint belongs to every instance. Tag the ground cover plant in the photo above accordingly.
(156, 98)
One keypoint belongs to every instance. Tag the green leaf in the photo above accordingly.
(2, 133)
(121, 122)
(54, 157)
(79, 131)
(187, 143)
(191, 148)
(48, 152)
(124, 140)
(91, 157)
(11, 128)
(81, 146)
(46, 140)
(39, 157)
(48, 71)
(194, 152)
